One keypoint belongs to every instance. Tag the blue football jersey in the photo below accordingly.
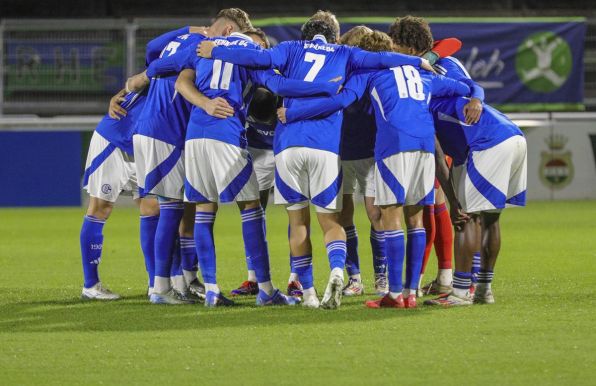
(400, 97)
(452, 68)
(457, 138)
(166, 113)
(260, 135)
(313, 61)
(358, 129)
(120, 132)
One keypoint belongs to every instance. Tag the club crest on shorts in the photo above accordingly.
(556, 167)
(106, 188)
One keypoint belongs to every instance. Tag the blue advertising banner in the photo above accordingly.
(527, 64)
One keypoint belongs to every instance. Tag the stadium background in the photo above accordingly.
(538, 332)
(61, 62)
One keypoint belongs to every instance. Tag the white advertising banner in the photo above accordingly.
(561, 155)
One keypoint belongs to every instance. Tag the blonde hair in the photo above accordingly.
(237, 16)
(376, 41)
(355, 35)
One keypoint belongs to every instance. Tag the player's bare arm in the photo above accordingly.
(458, 217)
(217, 107)
(138, 82)
(115, 110)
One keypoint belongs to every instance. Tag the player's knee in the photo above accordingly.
(99, 208)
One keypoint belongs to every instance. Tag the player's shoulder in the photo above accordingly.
(450, 64)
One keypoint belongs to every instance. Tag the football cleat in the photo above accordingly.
(197, 288)
(310, 300)
(449, 300)
(410, 301)
(473, 290)
(386, 302)
(98, 292)
(276, 299)
(170, 297)
(294, 288)
(149, 291)
(483, 295)
(381, 286)
(246, 288)
(434, 288)
(353, 288)
(213, 299)
(333, 292)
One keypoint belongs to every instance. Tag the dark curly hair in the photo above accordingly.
(411, 32)
(319, 27)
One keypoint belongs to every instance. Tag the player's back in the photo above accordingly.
(457, 137)
(215, 78)
(119, 131)
(166, 113)
(311, 60)
(400, 98)
(358, 130)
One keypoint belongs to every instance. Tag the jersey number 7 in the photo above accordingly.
(318, 61)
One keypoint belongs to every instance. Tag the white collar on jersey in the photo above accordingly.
(241, 35)
(320, 37)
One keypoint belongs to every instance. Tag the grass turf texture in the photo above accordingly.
(541, 330)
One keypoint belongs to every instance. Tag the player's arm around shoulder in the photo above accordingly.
(216, 107)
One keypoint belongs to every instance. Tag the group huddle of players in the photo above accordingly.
(220, 116)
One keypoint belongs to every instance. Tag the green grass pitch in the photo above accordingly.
(541, 331)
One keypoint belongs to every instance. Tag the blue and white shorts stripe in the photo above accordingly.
(303, 174)
(109, 171)
(218, 172)
(359, 176)
(406, 178)
(494, 178)
(263, 162)
(160, 167)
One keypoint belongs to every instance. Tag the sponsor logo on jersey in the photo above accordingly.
(543, 62)
(556, 166)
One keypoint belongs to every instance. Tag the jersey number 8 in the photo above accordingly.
(409, 83)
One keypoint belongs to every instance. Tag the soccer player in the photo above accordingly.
(489, 174)
(110, 171)
(306, 152)
(404, 155)
(413, 36)
(218, 167)
(159, 150)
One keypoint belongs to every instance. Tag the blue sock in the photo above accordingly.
(292, 269)
(148, 228)
(303, 267)
(91, 246)
(188, 252)
(377, 244)
(206, 245)
(255, 243)
(394, 244)
(176, 268)
(475, 267)
(414, 256)
(352, 258)
(462, 280)
(170, 214)
(336, 253)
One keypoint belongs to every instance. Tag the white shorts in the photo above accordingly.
(303, 174)
(109, 171)
(160, 167)
(359, 176)
(263, 161)
(218, 172)
(405, 178)
(494, 178)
